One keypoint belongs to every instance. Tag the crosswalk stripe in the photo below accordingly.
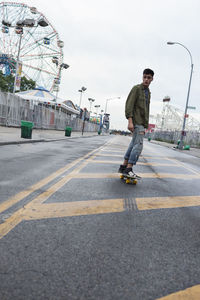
(143, 175)
(167, 202)
(192, 293)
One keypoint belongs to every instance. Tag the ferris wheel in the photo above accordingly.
(28, 39)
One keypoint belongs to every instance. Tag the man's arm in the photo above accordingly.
(130, 102)
(130, 124)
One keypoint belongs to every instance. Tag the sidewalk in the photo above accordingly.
(193, 151)
(12, 135)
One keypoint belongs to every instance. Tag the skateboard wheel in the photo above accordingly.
(121, 176)
(128, 181)
(134, 181)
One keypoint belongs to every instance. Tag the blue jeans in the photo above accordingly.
(136, 145)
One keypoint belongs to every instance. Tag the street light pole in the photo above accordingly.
(83, 89)
(91, 100)
(180, 146)
(109, 100)
(97, 107)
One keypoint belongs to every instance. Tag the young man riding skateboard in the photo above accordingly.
(137, 113)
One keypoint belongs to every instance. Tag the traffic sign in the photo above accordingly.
(191, 107)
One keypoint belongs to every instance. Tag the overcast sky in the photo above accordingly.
(108, 43)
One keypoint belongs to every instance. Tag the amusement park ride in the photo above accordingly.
(30, 46)
(171, 118)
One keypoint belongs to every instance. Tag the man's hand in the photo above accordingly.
(130, 124)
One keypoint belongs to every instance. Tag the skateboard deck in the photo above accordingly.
(128, 179)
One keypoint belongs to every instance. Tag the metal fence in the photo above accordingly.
(192, 138)
(13, 109)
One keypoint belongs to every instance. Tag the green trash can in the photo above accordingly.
(26, 129)
(68, 131)
(187, 147)
(149, 139)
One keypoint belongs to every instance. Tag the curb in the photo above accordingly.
(42, 140)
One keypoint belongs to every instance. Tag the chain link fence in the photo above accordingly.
(13, 109)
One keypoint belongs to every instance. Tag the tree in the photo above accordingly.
(27, 84)
(7, 83)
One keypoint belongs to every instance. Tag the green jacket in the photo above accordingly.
(136, 106)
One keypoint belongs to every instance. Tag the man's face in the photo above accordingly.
(147, 79)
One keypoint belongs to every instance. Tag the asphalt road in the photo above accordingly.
(70, 228)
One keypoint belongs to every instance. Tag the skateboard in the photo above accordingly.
(128, 179)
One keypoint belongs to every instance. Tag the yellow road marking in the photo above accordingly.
(143, 175)
(167, 202)
(21, 195)
(107, 150)
(18, 216)
(50, 191)
(178, 163)
(10, 223)
(154, 157)
(81, 166)
(113, 155)
(38, 210)
(138, 163)
(77, 208)
(192, 293)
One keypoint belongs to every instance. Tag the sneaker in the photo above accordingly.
(121, 169)
(129, 173)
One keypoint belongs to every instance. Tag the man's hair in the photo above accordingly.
(148, 72)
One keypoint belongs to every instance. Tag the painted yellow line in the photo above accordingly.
(82, 165)
(55, 187)
(192, 293)
(113, 155)
(143, 175)
(10, 223)
(167, 202)
(23, 194)
(178, 163)
(138, 163)
(154, 157)
(106, 150)
(18, 216)
(114, 150)
(49, 192)
(77, 208)
(38, 210)
(58, 210)
(145, 157)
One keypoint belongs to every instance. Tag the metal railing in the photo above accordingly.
(192, 138)
(13, 109)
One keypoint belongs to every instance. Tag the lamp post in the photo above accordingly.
(97, 107)
(101, 122)
(180, 146)
(83, 89)
(91, 101)
(109, 100)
